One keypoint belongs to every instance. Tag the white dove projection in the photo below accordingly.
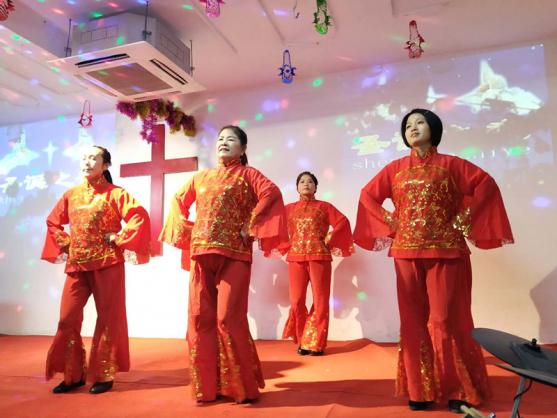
(494, 88)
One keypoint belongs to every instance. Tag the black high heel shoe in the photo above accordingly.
(419, 405)
(303, 352)
(101, 387)
(63, 388)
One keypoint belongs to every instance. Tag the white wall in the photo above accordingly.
(329, 129)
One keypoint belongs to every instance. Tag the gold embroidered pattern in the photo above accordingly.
(312, 339)
(463, 222)
(70, 354)
(225, 202)
(92, 217)
(308, 226)
(401, 383)
(469, 391)
(195, 376)
(426, 199)
(107, 364)
(427, 372)
(62, 239)
(230, 378)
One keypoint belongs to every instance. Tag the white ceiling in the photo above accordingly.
(243, 47)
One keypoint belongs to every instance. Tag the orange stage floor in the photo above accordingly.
(354, 379)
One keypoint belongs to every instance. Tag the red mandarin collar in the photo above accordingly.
(96, 183)
(429, 153)
(231, 163)
(307, 199)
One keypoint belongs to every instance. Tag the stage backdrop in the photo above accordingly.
(498, 108)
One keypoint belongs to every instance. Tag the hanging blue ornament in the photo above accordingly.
(287, 72)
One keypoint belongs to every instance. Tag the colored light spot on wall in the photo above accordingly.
(516, 151)
(16, 37)
(356, 140)
(61, 118)
(268, 152)
(26, 286)
(340, 120)
(541, 202)
(63, 82)
(55, 69)
(242, 123)
(329, 174)
(187, 6)
(95, 15)
(270, 105)
(470, 152)
(361, 295)
(312, 132)
(210, 107)
(290, 143)
(259, 116)
(334, 303)
(328, 195)
(304, 163)
(284, 103)
(318, 82)
(120, 40)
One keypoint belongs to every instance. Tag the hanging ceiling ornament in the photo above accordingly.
(321, 19)
(86, 119)
(287, 72)
(212, 7)
(295, 11)
(6, 6)
(414, 43)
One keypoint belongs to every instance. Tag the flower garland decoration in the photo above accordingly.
(321, 18)
(287, 71)
(212, 7)
(152, 111)
(414, 43)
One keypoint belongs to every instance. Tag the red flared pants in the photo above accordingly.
(438, 359)
(110, 349)
(223, 358)
(309, 331)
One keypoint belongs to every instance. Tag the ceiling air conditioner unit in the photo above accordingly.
(113, 56)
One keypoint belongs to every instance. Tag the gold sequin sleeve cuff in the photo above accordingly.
(463, 222)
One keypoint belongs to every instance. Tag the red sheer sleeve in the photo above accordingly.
(135, 237)
(57, 241)
(482, 217)
(177, 229)
(339, 240)
(268, 221)
(375, 226)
